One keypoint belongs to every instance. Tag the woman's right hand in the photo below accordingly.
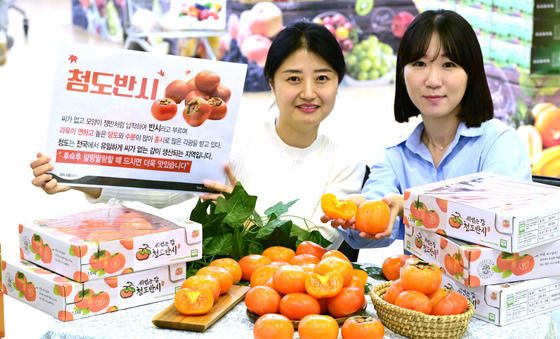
(41, 166)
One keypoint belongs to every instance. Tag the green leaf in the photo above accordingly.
(199, 213)
(219, 245)
(280, 235)
(506, 274)
(280, 208)
(496, 269)
(238, 205)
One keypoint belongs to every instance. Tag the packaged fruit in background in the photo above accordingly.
(371, 62)
(529, 103)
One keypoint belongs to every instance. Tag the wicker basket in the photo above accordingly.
(415, 324)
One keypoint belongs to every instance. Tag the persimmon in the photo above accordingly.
(262, 274)
(422, 277)
(304, 259)
(391, 267)
(361, 275)
(348, 301)
(315, 326)
(336, 264)
(199, 282)
(231, 265)
(437, 295)
(262, 300)
(295, 306)
(372, 217)
(310, 247)
(393, 291)
(274, 326)
(335, 253)
(250, 263)
(289, 279)
(359, 327)
(279, 253)
(192, 302)
(323, 286)
(452, 303)
(221, 274)
(414, 300)
(337, 209)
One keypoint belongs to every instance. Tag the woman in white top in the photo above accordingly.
(287, 158)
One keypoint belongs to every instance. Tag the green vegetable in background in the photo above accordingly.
(232, 228)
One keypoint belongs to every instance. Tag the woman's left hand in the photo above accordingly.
(219, 187)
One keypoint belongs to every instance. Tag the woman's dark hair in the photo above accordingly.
(459, 43)
(310, 36)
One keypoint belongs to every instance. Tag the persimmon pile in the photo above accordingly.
(419, 289)
(311, 285)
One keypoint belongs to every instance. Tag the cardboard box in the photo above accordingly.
(475, 265)
(503, 304)
(487, 209)
(109, 241)
(546, 9)
(546, 32)
(1, 298)
(545, 59)
(68, 300)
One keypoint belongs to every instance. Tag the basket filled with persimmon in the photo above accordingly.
(416, 306)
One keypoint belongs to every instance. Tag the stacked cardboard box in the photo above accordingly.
(101, 261)
(545, 53)
(485, 230)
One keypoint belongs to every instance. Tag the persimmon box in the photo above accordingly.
(109, 241)
(503, 304)
(487, 209)
(476, 265)
(68, 300)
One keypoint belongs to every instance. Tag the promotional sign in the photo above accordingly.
(135, 119)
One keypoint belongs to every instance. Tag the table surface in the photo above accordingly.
(137, 323)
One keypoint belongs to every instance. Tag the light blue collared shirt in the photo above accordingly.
(493, 147)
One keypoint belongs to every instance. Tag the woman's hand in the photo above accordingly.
(395, 203)
(219, 187)
(45, 181)
(41, 166)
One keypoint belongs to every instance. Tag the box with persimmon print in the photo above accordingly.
(503, 304)
(109, 241)
(476, 265)
(495, 211)
(68, 300)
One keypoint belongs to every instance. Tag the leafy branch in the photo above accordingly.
(231, 227)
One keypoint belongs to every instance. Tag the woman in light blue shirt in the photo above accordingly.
(439, 75)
